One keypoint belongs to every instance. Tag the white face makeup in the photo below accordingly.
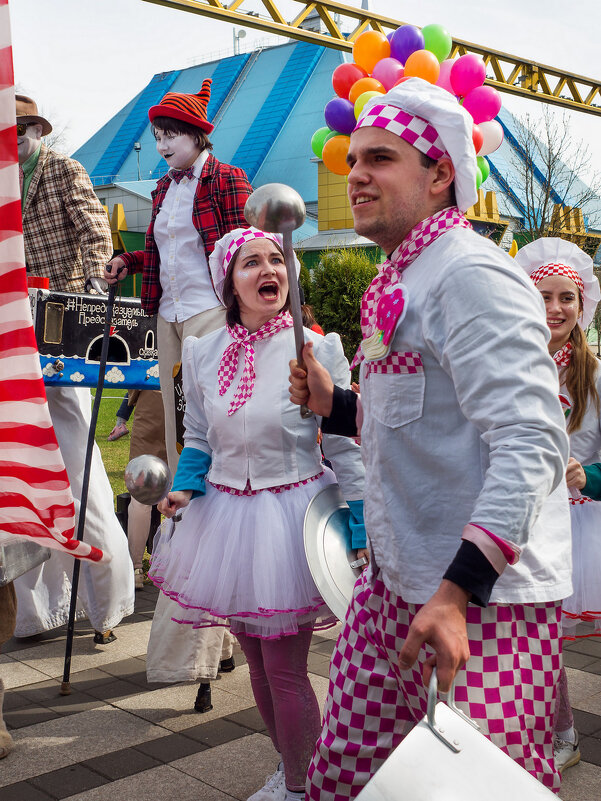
(260, 282)
(180, 151)
(29, 142)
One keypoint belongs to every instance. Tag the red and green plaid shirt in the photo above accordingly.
(219, 202)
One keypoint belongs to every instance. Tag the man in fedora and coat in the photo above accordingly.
(68, 239)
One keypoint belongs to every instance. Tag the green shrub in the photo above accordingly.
(334, 288)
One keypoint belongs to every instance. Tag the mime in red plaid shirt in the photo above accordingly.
(195, 204)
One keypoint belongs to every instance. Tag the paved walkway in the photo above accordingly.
(117, 739)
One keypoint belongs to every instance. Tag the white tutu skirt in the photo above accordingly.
(243, 558)
(585, 602)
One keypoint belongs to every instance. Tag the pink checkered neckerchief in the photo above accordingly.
(423, 234)
(229, 361)
(415, 130)
(558, 269)
(563, 356)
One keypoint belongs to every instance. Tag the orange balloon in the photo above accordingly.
(422, 64)
(369, 48)
(364, 85)
(334, 154)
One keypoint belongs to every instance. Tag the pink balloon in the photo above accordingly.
(483, 103)
(492, 137)
(444, 77)
(387, 71)
(467, 73)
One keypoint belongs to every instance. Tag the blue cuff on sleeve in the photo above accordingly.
(357, 525)
(191, 470)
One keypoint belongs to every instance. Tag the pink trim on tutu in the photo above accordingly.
(247, 491)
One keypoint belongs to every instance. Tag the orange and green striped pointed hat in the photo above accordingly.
(188, 108)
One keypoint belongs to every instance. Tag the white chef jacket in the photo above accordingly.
(477, 436)
(585, 444)
(265, 441)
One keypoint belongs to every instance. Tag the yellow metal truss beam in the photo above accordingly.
(505, 72)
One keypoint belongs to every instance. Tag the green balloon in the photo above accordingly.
(484, 167)
(319, 138)
(437, 40)
(478, 178)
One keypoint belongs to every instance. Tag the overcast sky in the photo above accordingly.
(83, 60)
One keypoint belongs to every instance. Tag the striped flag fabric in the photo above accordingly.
(35, 495)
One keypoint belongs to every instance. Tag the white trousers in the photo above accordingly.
(106, 590)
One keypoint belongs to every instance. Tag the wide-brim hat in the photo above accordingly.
(27, 112)
(443, 125)
(187, 108)
(553, 253)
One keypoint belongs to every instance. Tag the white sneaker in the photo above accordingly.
(274, 789)
(566, 754)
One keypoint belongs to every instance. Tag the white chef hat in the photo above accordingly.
(554, 256)
(430, 119)
(226, 247)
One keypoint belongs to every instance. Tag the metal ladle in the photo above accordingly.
(278, 208)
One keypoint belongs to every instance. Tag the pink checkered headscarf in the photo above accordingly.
(414, 130)
(551, 255)
(225, 249)
(430, 119)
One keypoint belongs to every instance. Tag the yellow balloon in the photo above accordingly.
(362, 100)
(334, 154)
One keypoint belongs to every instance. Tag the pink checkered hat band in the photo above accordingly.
(558, 269)
(246, 236)
(412, 129)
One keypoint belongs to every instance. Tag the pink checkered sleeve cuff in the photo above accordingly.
(498, 551)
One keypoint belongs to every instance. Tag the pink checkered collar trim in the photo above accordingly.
(558, 269)
(412, 129)
(246, 236)
(421, 235)
(563, 356)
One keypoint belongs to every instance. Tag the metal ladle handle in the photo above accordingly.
(295, 309)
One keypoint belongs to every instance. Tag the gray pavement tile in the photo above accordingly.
(158, 784)
(590, 749)
(581, 783)
(173, 746)
(125, 668)
(248, 761)
(15, 700)
(249, 719)
(23, 791)
(586, 722)
(589, 645)
(594, 667)
(574, 659)
(325, 647)
(74, 703)
(83, 680)
(216, 732)
(115, 690)
(119, 764)
(319, 664)
(68, 781)
(28, 716)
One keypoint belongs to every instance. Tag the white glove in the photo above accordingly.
(98, 285)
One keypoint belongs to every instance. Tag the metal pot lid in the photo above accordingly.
(328, 548)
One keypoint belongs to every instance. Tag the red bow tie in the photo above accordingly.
(177, 175)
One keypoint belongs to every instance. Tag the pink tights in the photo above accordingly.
(285, 698)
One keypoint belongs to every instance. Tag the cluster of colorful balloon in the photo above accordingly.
(381, 62)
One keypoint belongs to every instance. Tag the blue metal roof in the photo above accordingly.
(266, 105)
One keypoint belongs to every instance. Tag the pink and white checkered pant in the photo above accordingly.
(508, 687)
